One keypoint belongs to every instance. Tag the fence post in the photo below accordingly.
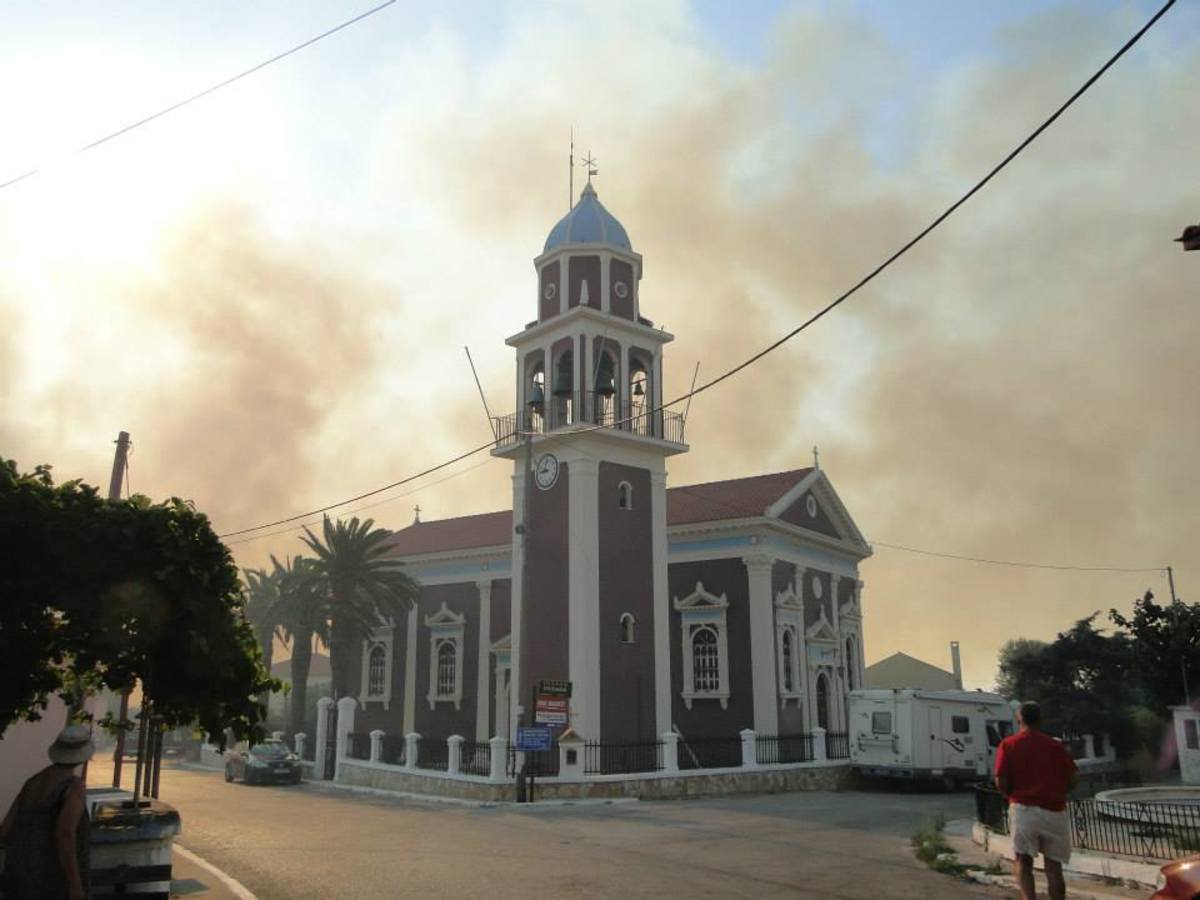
(670, 751)
(412, 743)
(345, 724)
(818, 739)
(749, 748)
(323, 706)
(300, 742)
(376, 745)
(454, 764)
(499, 757)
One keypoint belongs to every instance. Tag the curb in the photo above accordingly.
(333, 787)
(231, 884)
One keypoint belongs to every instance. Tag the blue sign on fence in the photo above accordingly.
(530, 739)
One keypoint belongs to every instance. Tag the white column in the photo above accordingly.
(376, 745)
(862, 647)
(454, 764)
(410, 671)
(605, 293)
(518, 588)
(818, 739)
(749, 748)
(762, 644)
(412, 747)
(323, 707)
(345, 724)
(300, 742)
(583, 632)
(670, 751)
(483, 661)
(661, 602)
(498, 758)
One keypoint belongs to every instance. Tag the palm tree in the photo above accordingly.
(262, 600)
(364, 586)
(302, 614)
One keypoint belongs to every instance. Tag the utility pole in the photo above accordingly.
(120, 461)
(1187, 695)
(522, 649)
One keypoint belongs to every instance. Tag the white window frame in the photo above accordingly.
(789, 617)
(698, 610)
(445, 625)
(381, 637)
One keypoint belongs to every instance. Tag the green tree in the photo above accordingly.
(1166, 640)
(118, 592)
(1020, 673)
(364, 585)
(301, 612)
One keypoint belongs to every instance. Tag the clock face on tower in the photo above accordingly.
(545, 472)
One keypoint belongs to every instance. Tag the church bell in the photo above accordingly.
(537, 397)
(564, 376)
(604, 377)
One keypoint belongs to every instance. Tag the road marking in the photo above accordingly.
(238, 889)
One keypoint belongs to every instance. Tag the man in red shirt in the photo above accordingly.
(1035, 772)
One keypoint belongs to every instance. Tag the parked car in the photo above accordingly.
(1179, 880)
(270, 761)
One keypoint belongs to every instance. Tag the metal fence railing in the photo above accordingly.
(433, 753)
(358, 745)
(589, 408)
(837, 745)
(543, 763)
(607, 758)
(393, 749)
(310, 751)
(784, 748)
(1143, 830)
(710, 753)
(476, 758)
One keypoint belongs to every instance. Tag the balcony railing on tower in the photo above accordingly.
(590, 408)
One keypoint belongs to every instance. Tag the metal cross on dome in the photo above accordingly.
(590, 162)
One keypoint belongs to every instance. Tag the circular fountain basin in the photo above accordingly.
(1167, 805)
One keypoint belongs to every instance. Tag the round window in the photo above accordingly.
(550, 290)
(818, 587)
(621, 289)
(810, 504)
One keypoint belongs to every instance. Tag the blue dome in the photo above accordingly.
(588, 222)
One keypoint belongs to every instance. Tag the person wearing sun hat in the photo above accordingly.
(46, 831)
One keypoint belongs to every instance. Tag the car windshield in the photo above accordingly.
(269, 751)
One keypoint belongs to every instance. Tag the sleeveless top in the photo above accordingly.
(31, 866)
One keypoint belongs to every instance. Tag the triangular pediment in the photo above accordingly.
(821, 630)
(701, 599)
(444, 617)
(813, 504)
(504, 645)
(851, 609)
(788, 598)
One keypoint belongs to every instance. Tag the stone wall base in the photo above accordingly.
(659, 787)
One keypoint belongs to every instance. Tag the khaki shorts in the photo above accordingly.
(1035, 830)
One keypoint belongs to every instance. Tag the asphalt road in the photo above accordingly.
(309, 841)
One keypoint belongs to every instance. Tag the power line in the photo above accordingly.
(1012, 563)
(204, 93)
(874, 273)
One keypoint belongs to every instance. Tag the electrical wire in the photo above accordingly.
(863, 282)
(209, 90)
(1015, 564)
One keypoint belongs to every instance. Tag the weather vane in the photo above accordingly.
(590, 162)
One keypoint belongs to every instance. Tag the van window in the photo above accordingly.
(881, 723)
(998, 731)
(960, 724)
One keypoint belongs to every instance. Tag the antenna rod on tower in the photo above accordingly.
(571, 173)
(687, 409)
(487, 412)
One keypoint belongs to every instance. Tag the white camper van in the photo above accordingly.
(942, 736)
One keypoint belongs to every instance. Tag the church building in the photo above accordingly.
(701, 610)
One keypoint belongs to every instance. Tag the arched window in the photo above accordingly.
(376, 669)
(822, 701)
(627, 623)
(788, 652)
(639, 396)
(851, 667)
(447, 667)
(706, 661)
(625, 495)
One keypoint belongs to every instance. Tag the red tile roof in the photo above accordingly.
(736, 498)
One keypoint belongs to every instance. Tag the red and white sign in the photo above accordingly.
(551, 710)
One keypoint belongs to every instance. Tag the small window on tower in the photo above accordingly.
(627, 626)
(625, 495)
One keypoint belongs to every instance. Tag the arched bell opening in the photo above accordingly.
(639, 397)
(606, 401)
(562, 404)
(535, 399)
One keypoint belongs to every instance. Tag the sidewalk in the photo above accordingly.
(1079, 887)
(196, 879)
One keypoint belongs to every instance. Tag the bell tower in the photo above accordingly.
(589, 442)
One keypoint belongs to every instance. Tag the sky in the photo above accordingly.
(271, 288)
